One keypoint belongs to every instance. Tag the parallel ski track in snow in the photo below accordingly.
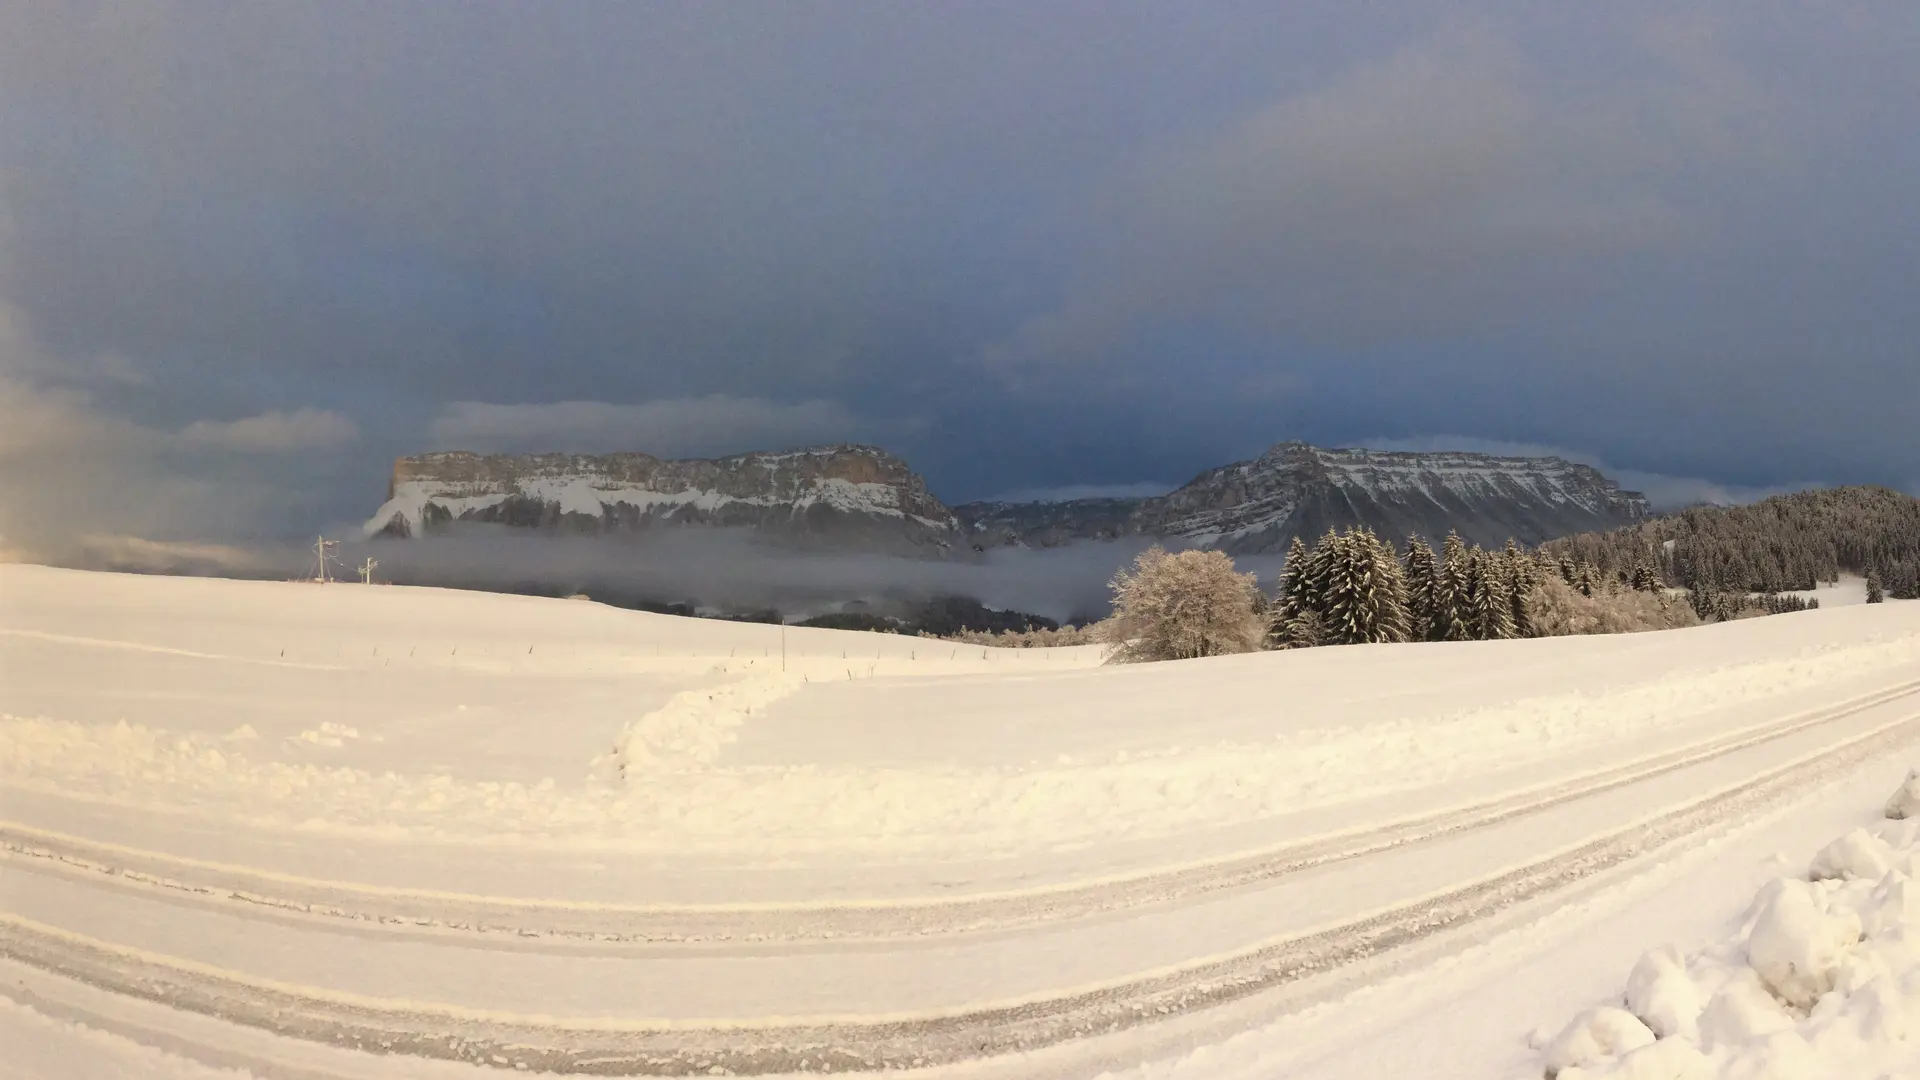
(532, 923)
(630, 1047)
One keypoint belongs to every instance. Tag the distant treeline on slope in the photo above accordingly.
(1785, 543)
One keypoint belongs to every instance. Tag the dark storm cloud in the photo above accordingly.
(250, 252)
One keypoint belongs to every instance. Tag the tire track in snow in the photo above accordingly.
(634, 1047)
(699, 725)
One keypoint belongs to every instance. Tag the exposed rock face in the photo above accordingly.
(1046, 524)
(853, 497)
(858, 498)
(1256, 507)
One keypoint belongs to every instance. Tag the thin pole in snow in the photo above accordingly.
(322, 555)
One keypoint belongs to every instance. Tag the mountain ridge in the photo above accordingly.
(851, 496)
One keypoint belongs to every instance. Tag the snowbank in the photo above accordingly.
(1821, 979)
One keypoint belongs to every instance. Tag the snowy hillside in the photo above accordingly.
(269, 826)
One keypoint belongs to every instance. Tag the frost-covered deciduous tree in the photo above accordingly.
(1177, 606)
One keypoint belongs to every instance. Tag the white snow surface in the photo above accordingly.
(400, 745)
(864, 743)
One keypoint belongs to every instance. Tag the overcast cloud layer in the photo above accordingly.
(250, 253)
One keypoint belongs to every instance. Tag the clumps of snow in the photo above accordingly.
(331, 734)
(1820, 979)
(1857, 855)
(1797, 945)
(1662, 997)
(1608, 1031)
(1905, 800)
(1742, 1013)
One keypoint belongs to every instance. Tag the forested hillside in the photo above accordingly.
(1784, 543)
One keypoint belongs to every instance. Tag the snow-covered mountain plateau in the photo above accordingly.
(838, 496)
(864, 499)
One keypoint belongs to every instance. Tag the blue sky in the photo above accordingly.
(250, 253)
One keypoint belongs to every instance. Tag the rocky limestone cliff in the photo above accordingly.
(1257, 506)
(858, 498)
(851, 497)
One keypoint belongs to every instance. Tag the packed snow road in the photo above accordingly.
(611, 843)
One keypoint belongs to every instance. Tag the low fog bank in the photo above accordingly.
(715, 572)
(722, 572)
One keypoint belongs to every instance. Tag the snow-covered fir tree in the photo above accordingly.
(1452, 611)
(1646, 578)
(1489, 598)
(1420, 573)
(1365, 601)
(1314, 581)
(1518, 569)
(1287, 625)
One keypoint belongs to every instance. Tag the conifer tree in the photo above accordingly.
(1340, 601)
(1646, 578)
(1704, 602)
(1284, 624)
(1420, 577)
(1519, 574)
(1489, 598)
(1876, 593)
(1365, 600)
(1303, 630)
(1452, 618)
(1393, 618)
(1317, 573)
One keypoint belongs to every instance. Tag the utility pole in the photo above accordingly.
(366, 570)
(322, 555)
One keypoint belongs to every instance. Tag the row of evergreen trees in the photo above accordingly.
(1353, 588)
(1785, 543)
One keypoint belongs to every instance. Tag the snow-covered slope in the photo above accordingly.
(855, 497)
(1257, 506)
(260, 822)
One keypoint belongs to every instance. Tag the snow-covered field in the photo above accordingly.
(368, 831)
